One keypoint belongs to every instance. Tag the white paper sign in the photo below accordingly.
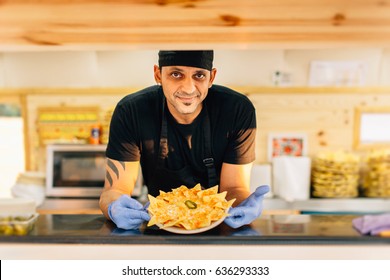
(372, 128)
(338, 73)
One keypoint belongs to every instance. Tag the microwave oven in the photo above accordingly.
(78, 171)
(74, 170)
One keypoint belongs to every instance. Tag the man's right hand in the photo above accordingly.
(127, 213)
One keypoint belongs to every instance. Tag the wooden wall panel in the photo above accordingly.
(80, 24)
(325, 115)
(327, 119)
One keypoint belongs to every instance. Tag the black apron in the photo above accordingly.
(165, 179)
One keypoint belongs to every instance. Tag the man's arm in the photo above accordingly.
(235, 179)
(120, 179)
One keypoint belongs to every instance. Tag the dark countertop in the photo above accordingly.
(268, 229)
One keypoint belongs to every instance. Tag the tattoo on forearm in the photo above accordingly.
(109, 179)
(111, 166)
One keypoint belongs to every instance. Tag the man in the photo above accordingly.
(183, 131)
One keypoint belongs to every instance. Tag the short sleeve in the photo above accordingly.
(241, 147)
(123, 143)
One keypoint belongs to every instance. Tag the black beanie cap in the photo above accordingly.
(198, 59)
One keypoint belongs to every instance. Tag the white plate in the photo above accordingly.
(192, 231)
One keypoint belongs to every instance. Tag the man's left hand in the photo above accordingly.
(248, 210)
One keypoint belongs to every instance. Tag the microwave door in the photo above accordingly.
(75, 170)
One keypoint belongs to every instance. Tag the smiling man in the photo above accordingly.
(183, 131)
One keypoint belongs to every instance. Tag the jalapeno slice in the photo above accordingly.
(190, 204)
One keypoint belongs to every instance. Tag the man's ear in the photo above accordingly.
(213, 73)
(157, 74)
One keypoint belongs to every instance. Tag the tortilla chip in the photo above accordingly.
(188, 208)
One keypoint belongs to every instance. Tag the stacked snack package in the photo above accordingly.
(335, 174)
(376, 174)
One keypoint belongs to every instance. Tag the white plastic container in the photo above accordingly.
(17, 216)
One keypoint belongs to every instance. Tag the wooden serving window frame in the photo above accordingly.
(371, 128)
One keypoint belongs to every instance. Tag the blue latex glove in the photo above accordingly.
(127, 213)
(248, 210)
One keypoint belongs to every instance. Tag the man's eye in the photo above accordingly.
(199, 76)
(176, 74)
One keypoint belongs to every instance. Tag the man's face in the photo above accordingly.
(184, 88)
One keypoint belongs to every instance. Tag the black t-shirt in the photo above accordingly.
(136, 126)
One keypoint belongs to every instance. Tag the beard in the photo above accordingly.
(186, 107)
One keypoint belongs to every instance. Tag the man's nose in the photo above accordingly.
(188, 85)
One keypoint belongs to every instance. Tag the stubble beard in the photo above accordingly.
(186, 108)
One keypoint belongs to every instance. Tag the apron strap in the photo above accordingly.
(208, 161)
(163, 149)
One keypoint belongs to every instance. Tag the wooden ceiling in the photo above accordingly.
(242, 24)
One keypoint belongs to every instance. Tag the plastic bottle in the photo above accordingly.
(95, 134)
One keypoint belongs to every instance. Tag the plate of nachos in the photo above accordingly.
(189, 210)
